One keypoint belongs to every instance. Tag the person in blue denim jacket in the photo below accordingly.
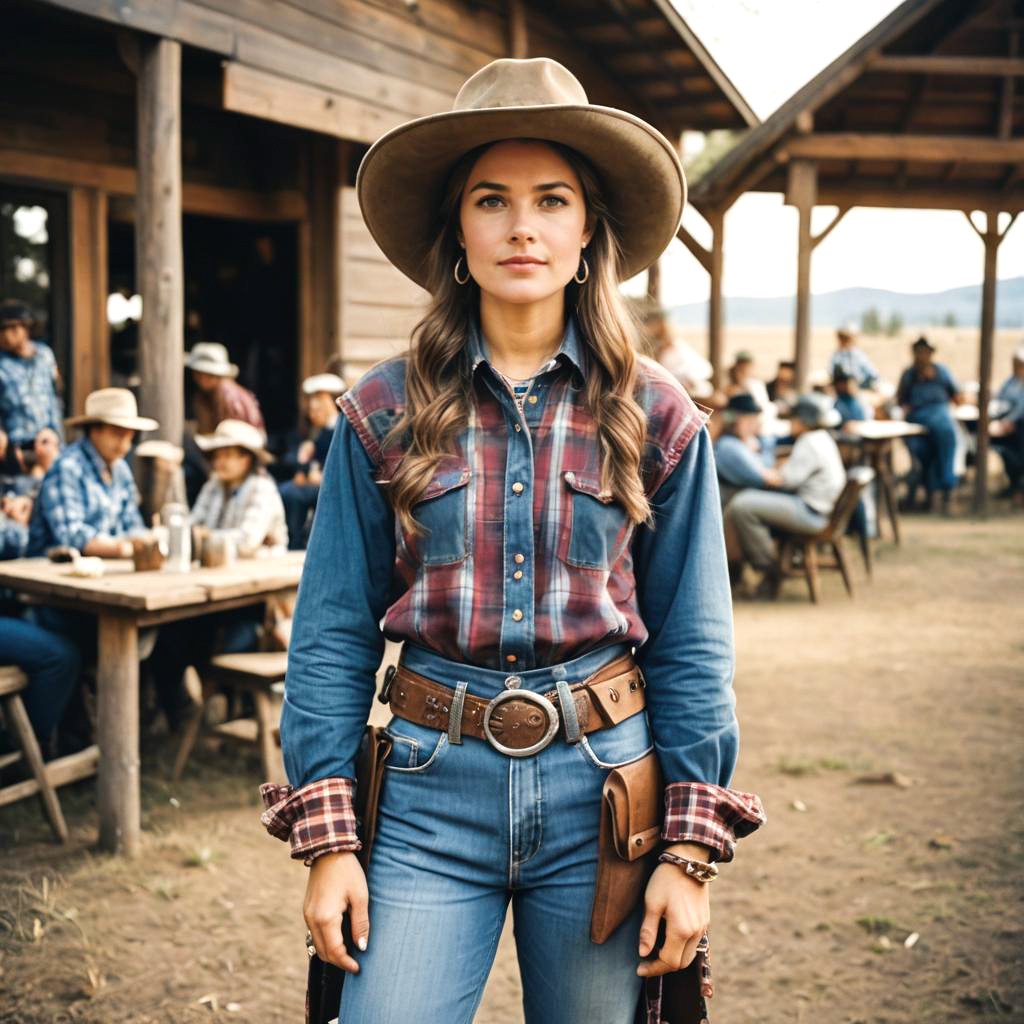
(523, 501)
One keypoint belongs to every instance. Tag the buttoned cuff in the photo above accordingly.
(315, 819)
(699, 812)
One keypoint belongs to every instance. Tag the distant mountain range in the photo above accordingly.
(959, 307)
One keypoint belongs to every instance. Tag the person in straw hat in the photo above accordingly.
(88, 499)
(239, 502)
(219, 396)
(301, 492)
(522, 500)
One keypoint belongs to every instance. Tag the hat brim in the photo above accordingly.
(210, 443)
(401, 178)
(214, 369)
(140, 423)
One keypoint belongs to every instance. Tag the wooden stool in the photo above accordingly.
(45, 777)
(260, 674)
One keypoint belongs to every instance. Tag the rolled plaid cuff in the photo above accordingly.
(699, 812)
(316, 819)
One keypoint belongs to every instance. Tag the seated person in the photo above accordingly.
(782, 390)
(15, 513)
(927, 393)
(852, 360)
(88, 499)
(848, 405)
(1008, 428)
(736, 459)
(28, 386)
(300, 493)
(805, 490)
(241, 502)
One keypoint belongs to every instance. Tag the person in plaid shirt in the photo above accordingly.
(28, 385)
(522, 500)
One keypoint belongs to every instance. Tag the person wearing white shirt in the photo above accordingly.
(802, 495)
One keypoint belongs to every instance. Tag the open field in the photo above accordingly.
(883, 734)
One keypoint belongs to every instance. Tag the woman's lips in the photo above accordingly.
(521, 263)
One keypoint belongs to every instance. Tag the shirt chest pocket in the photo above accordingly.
(442, 513)
(597, 529)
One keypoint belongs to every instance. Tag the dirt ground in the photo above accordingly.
(883, 734)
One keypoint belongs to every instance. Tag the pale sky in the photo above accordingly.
(770, 48)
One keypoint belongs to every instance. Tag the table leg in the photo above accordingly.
(117, 688)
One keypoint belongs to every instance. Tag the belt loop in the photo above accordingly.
(455, 715)
(568, 707)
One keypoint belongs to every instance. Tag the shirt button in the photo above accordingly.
(519, 559)
(517, 614)
(510, 658)
(518, 428)
(517, 488)
(518, 574)
(532, 399)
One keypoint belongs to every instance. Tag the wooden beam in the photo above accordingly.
(942, 65)
(518, 33)
(991, 241)
(716, 218)
(1007, 98)
(702, 255)
(881, 194)
(159, 270)
(801, 192)
(90, 332)
(919, 148)
(819, 238)
(275, 98)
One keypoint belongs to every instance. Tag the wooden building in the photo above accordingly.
(202, 153)
(923, 112)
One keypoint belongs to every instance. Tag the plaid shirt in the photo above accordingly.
(230, 401)
(13, 538)
(28, 394)
(253, 513)
(81, 498)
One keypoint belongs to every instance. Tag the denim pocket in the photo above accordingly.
(597, 528)
(441, 511)
(414, 748)
(612, 748)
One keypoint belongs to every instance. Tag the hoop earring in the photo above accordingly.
(586, 272)
(455, 273)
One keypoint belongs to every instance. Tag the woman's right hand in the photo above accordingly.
(336, 886)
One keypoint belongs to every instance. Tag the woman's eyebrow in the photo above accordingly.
(547, 187)
(494, 186)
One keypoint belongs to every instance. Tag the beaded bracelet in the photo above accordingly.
(698, 870)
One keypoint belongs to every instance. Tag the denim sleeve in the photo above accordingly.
(738, 465)
(686, 604)
(336, 643)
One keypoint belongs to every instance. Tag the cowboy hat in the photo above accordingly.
(115, 406)
(329, 382)
(816, 411)
(402, 176)
(211, 357)
(236, 434)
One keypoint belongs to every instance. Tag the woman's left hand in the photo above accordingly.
(685, 906)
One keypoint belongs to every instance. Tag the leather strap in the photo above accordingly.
(611, 695)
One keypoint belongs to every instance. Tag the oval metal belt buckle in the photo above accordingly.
(495, 727)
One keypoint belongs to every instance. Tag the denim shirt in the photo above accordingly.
(28, 394)
(663, 589)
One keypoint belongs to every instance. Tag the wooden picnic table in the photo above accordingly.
(875, 438)
(123, 601)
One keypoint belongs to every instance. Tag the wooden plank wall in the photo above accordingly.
(379, 305)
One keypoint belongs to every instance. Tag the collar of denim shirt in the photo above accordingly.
(569, 352)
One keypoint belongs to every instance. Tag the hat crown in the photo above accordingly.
(245, 435)
(213, 351)
(538, 81)
(119, 402)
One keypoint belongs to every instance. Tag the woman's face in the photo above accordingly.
(232, 464)
(523, 222)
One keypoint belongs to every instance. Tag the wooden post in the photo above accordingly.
(991, 240)
(158, 249)
(802, 193)
(518, 35)
(716, 218)
(90, 332)
(117, 691)
(654, 282)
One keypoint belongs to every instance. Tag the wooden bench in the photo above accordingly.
(46, 777)
(261, 675)
(857, 480)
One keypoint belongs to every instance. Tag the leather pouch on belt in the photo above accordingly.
(631, 813)
(324, 980)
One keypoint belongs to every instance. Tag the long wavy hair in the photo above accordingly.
(438, 375)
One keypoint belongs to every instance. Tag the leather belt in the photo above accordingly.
(517, 722)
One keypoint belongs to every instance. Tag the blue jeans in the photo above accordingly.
(936, 450)
(464, 830)
(51, 662)
(299, 500)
